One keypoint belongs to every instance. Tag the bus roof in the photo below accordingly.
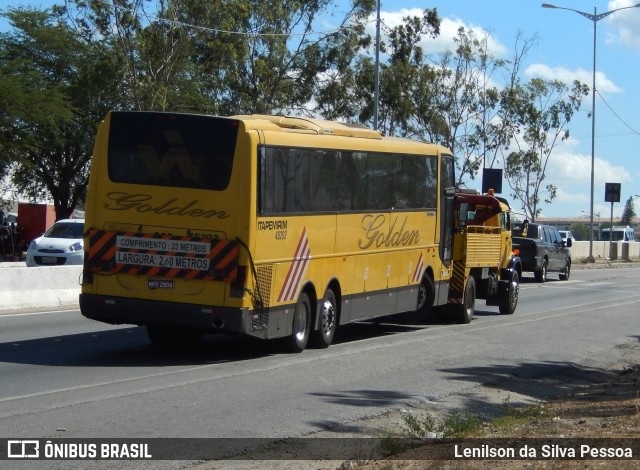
(304, 125)
(315, 126)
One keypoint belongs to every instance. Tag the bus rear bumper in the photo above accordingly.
(123, 310)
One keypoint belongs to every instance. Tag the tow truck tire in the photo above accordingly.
(467, 308)
(301, 324)
(508, 300)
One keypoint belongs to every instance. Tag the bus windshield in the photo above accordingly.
(169, 150)
(617, 235)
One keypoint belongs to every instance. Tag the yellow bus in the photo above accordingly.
(269, 226)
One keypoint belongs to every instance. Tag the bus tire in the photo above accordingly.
(170, 336)
(301, 324)
(467, 308)
(327, 321)
(508, 300)
(424, 305)
(426, 297)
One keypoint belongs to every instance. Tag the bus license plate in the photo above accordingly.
(160, 284)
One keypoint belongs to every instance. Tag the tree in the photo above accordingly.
(628, 213)
(347, 90)
(580, 231)
(222, 58)
(59, 90)
(540, 110)
(465, 113)
(448, 98)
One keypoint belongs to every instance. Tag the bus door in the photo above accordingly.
(446, 218)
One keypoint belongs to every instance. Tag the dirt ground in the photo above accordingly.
(601, 402)
(610, 409)
(607, 406)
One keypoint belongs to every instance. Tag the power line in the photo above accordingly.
(214, 30)
(616, 115)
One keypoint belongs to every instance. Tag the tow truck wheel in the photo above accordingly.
(508, 300)
(467, 308)
(301, 324)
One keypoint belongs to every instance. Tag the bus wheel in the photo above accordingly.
(301, 324)
(426, 297)
(327, 321)
(467, 308)
(168, 336)
(508, 300)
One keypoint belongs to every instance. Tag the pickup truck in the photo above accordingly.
(541, 249)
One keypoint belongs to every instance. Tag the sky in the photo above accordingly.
(564, 50)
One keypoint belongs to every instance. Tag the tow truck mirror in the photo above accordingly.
(463, 214)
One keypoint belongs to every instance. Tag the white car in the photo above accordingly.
(566, 234)
(60, 245)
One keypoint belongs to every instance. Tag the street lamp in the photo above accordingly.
(376, 93)
(595, 17)
(597, 214)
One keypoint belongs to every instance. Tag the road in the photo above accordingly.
(63, 376)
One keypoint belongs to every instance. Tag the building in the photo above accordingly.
(566, 223)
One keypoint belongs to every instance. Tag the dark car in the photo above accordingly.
(541, 250)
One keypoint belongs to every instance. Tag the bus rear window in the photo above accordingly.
(174, 150)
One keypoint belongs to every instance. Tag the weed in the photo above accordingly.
(392, 444)
(458, 424)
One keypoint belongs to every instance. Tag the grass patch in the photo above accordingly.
(516, 415)
(457, 424)
(417, 429)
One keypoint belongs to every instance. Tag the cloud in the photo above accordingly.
(603, 84)
(570, 172)
(570, 197)
(625, 25)
(568, 168)
(448, 31)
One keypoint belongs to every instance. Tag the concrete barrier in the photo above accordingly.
(59, 286)
(580, 250)
(22, 287)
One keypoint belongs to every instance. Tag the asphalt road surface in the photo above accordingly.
(64, 376)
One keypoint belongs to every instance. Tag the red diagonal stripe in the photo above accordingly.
(300, 260)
